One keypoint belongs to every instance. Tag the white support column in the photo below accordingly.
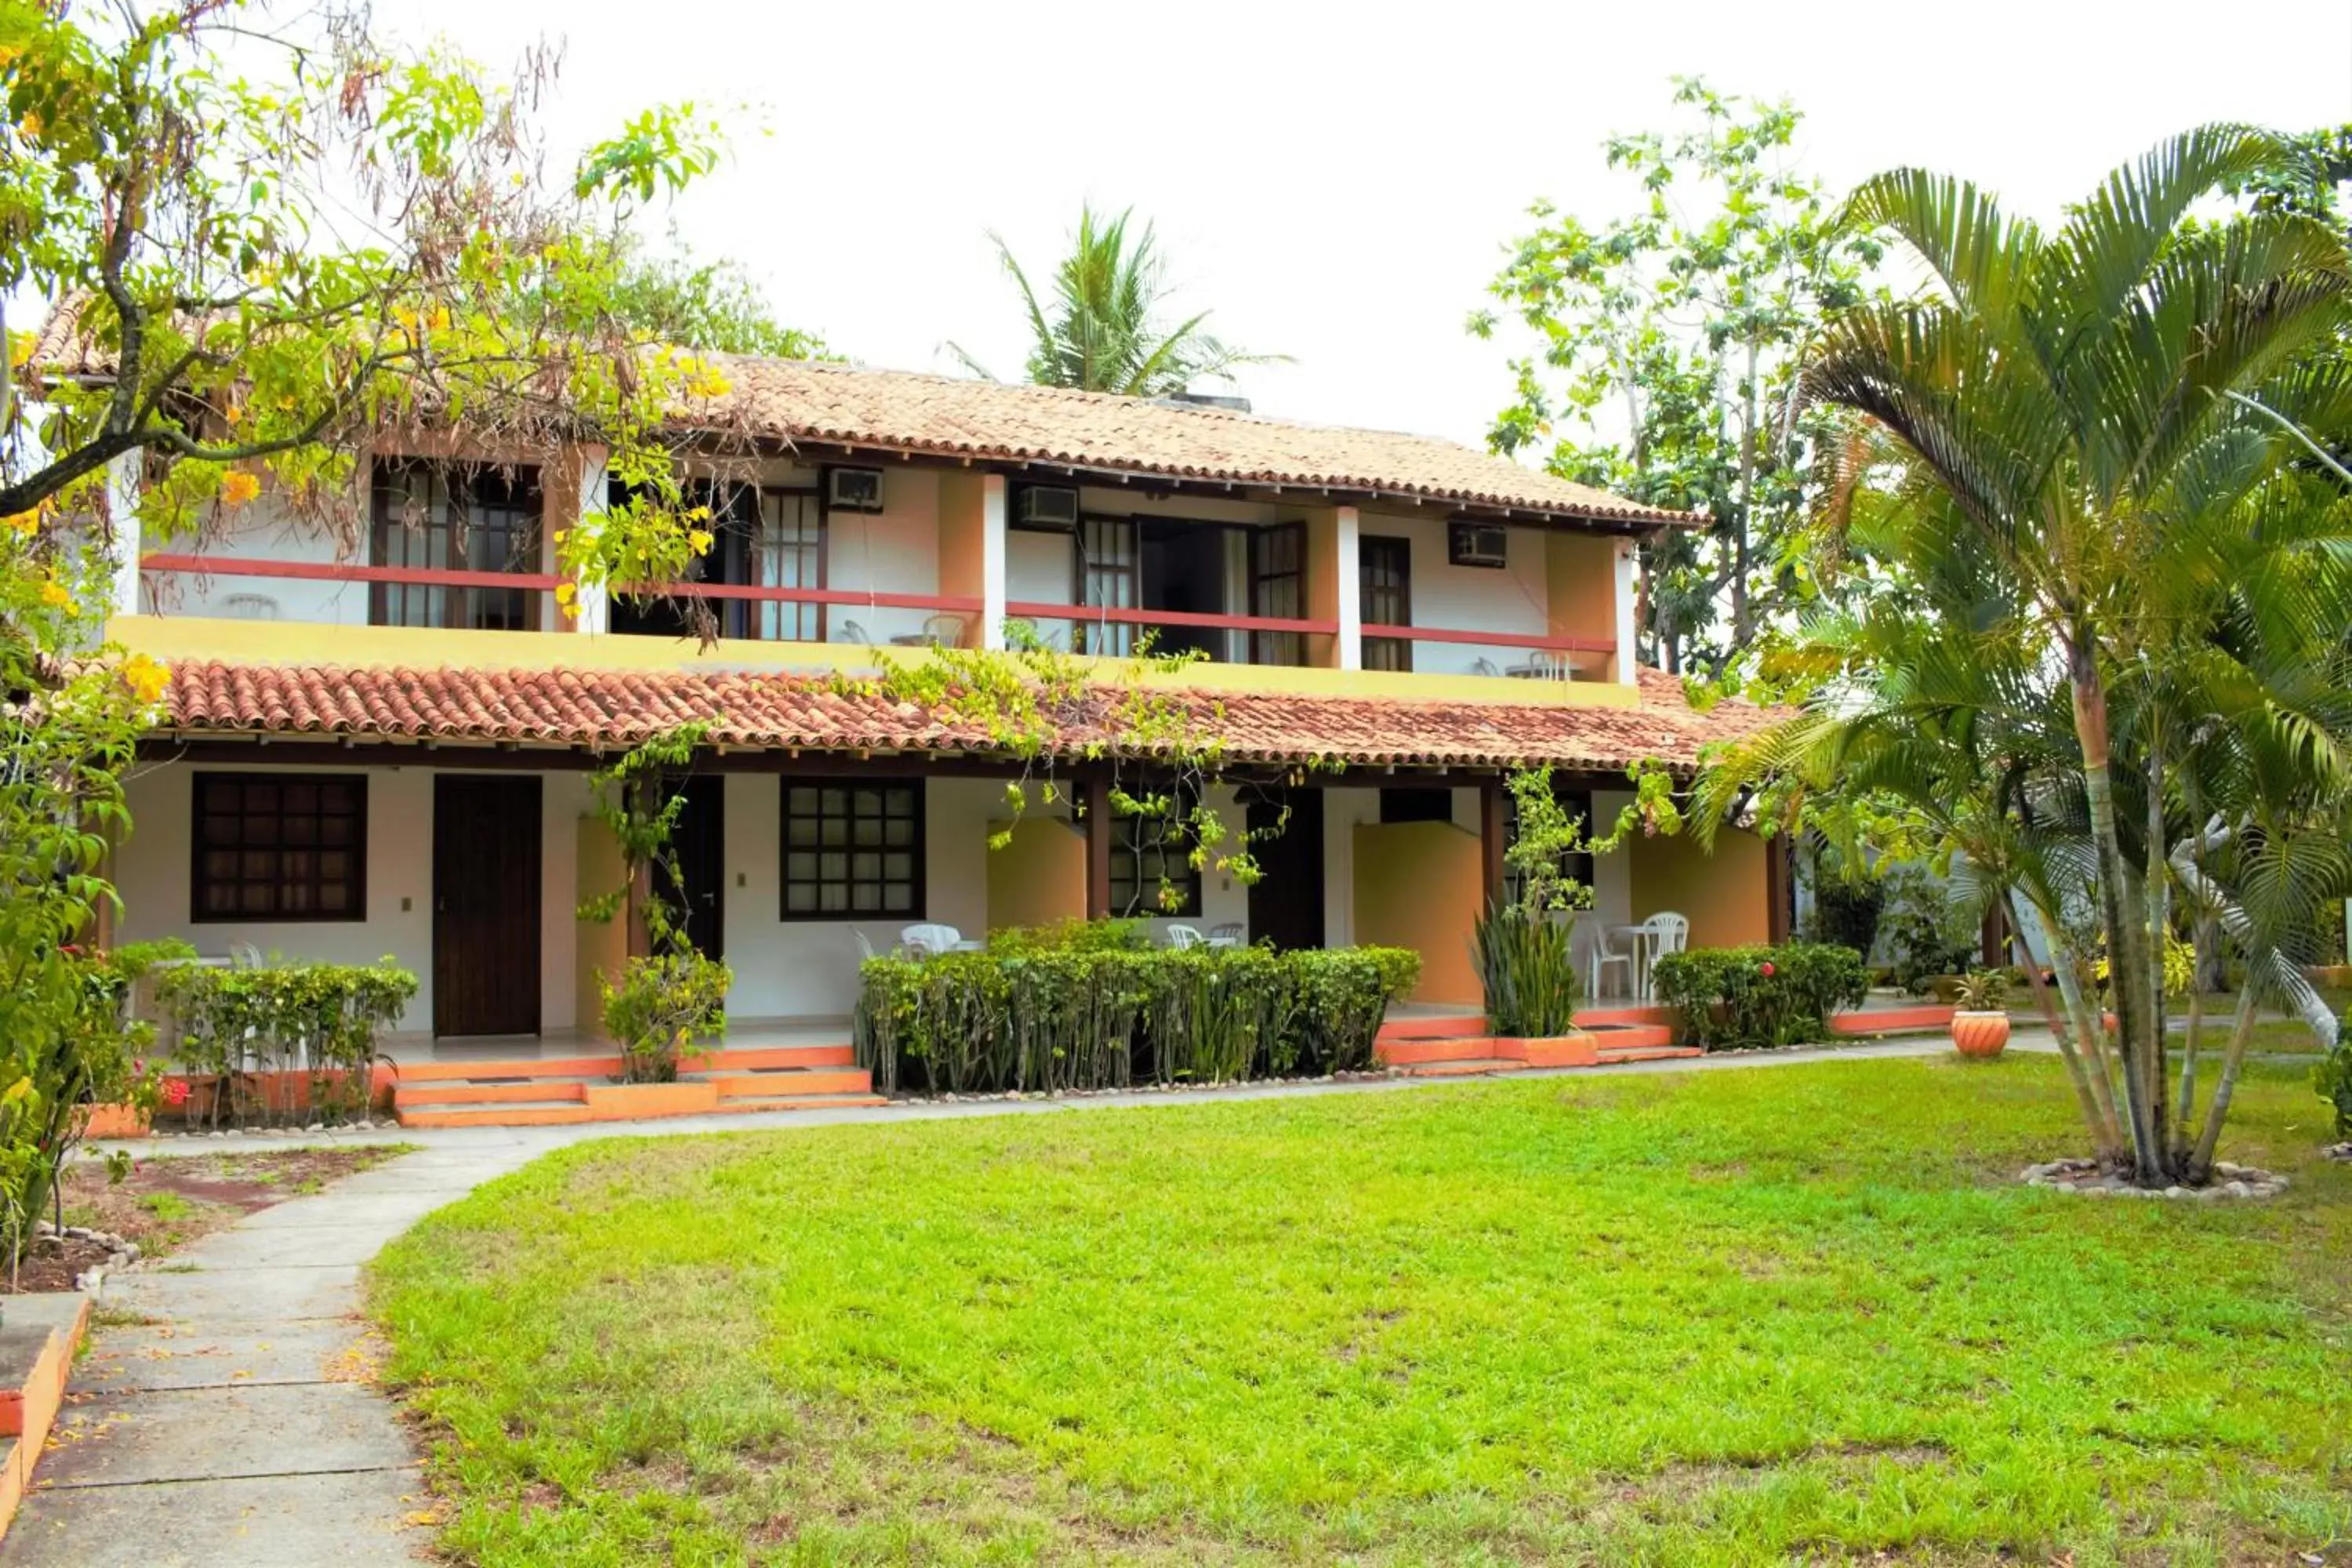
(592, 610)
(1628, 631)
(122, 514)
(992, 559)
(1346, 531)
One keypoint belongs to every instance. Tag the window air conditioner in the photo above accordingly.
(853, 489)
(1475, 543)
(1046, 506)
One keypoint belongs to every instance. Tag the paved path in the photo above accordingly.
(233, 1425)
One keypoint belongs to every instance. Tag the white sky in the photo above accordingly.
(1337, 181)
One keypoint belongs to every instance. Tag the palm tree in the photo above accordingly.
(1102, 331)
(2082, 405)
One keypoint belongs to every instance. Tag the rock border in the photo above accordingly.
(2340, 1153)
(2092, 1180)
(122, 1252)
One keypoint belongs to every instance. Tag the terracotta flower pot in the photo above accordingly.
(1979, 1034)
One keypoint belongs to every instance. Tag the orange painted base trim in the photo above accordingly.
(27, 1414)
(1892, 1020)
(116, 1121)
(645, 1102)
(1576, 1049)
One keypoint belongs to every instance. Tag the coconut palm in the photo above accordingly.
(1102, 330)
(2092, 407)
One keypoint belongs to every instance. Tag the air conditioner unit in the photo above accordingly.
(1046, 506)
(1475, 543)
(853, 489)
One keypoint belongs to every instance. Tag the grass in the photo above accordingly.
(1783, 1314)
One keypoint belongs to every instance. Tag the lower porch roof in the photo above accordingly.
(601, 709)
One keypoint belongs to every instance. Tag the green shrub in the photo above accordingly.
(1925, 936)
(1073, 934)
(1846, 914)
(231, 1026)
(1527, 967)
(661, 1007)
(1097, 1014)
(1745, 998)
(2333, 1079)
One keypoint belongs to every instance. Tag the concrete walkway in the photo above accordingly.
(226, 1417)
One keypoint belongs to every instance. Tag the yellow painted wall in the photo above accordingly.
(1040, 877)
(1322, 568)
(1724, 893)
(601, 948)
(1580, 584)
(1417, 886)
(963, 545)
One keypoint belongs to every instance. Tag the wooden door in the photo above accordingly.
(1286, 904)
(486, 852)
(699, 841)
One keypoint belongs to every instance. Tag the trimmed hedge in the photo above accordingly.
(1051, 1018)
(231, 1026)
(1752, 999)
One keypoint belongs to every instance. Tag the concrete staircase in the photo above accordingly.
(1461, 1047)
(560, 1091)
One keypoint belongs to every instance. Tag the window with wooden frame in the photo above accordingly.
(1111, 576)
(1278, 590)
(1149, 855)
(789, 553)
(1384, 572)
(454, 516)
(278, 846)
(853, 850)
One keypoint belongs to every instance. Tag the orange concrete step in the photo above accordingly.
(760, 1058)
(506, 1113)
(1633, 1036)
(1647, 1054)
(1632, 1015)
(792, 1081)
(516, 1067)
(474, 1092)
(1431, 1048)
(1473, 1067)
(1928, 1018)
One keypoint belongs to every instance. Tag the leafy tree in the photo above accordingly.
(1677, 330)
(1104, 329)
(253, 279)
(711, 307)
(2119, 674)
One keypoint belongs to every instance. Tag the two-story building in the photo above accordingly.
(383, 751)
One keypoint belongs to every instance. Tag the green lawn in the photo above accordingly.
(1791, 1314)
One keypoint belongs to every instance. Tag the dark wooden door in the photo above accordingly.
(1286, 904)
(486, 830)
(699, 841)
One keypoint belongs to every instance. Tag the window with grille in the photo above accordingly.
(1110, 577)
(853, 851)
(790, 553)
(1152, 855)
(1385, 569)
(280, 847)
(454, 516)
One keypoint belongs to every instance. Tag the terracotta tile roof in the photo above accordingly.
(901, 411)
(614, 708)
(797, 402)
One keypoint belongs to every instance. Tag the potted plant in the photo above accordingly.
(1980, 1022)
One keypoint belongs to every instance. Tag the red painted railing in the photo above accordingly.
(1543, 641)
(953, 603)
(1036, 610)
(349, 572)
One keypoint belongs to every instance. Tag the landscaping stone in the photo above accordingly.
(2092, 1180)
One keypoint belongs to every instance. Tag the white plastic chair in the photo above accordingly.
(1669, 932)
(865, 948)
(1589, 948)
(851, 632)
(1183, 937)
(931, 938)
(943, 631)
(1484, 667)
(1227, 934)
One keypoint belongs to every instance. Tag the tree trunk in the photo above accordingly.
(2200, 1168)
(1742, 626)
(2097, 1114)
(2158, 892)
(2126, 926)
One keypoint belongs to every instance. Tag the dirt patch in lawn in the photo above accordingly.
(165, 1204)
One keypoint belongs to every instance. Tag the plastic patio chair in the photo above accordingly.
(865, 948)
(1669, 932)
(851, 632)
(931, 938)
(1227, 934)
(1590, 950)
(943, 631)
(1183, 937)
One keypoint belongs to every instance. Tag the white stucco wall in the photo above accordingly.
(1467, 598)
(893, 551)
(151, 870)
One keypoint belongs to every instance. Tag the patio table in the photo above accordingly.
(1642, 940)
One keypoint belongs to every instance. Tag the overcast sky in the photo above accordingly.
(1337, 182)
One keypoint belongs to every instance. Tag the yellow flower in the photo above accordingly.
(145, 677)
(565, 592)
(700, 539)
(54, 595)
(24, 522)
(239, 488)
